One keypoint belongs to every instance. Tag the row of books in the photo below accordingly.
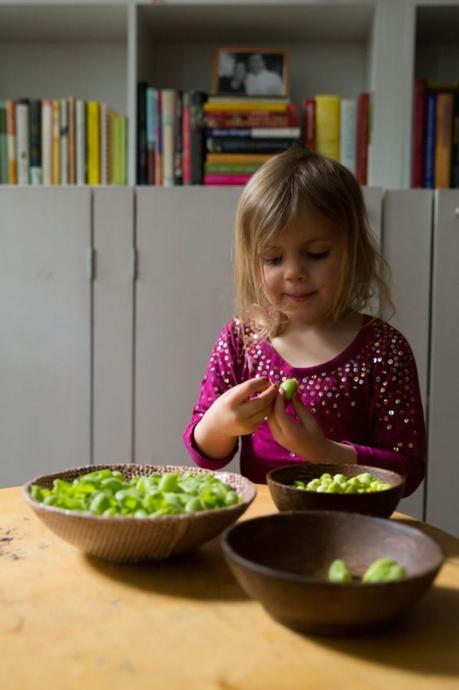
(435, 139)
(340, 128)
(61, 142)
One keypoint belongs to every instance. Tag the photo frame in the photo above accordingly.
(253, 71)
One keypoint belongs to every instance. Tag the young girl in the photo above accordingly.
(305, 267)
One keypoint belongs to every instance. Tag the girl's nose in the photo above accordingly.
(295, 268)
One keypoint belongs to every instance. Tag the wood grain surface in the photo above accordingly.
(69, 621)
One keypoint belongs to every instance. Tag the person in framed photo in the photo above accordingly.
(234, 83)
(261, 81)
(251, 72)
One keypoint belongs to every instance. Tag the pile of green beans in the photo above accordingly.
(381, 570)
(106, 492)
(339, 484)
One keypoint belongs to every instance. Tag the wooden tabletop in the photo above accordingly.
(70, 621)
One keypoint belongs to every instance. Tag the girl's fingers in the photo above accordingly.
(262, 403)
(301, 410)
(245, 390)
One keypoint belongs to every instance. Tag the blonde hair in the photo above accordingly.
(288, 185)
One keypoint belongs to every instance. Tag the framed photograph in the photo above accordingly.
(250, 71)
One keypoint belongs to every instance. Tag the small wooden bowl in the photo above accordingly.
(126, 539)
(378, 503)
(282, 560)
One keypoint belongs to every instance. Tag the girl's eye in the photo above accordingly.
(316, 256)
(273, 261)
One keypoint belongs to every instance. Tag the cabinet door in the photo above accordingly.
(184, 296)
(113, 324)
(45, 342)
(407, 239)
(443, 479)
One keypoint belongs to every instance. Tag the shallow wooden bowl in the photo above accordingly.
(282, 560)
(379, 503)
(134, 539)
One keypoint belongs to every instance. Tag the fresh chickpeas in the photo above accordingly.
(339, 484)
(381, 570)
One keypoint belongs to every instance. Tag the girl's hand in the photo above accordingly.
(304, 438)
(237, 412)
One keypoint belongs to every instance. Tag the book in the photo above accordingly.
(93, 142)
(431, 118)
(443, 139)
(64, 141)
(168, 135)
(150, 133)
(238, 157)
(245, 145)
(119, 150)
(363, 137)
(327, 125)
(309, 123)
(22, 141)
(257, 132)
(258, 118)
(216, 104)
(418, 149)
(141, 133)
(178, 136)
(46, 141)
(71, 174)
(197, 101)
(186, 138)
(231, 167)
(348, 134)
(80, 140)
(454, 180)
(3, 144)
(110, 145)
(104, 156)
(55, 142)
(226, 179)
(158, 140)
(11, 141)
(35, 176)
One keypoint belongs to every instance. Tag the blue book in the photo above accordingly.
(429, 170)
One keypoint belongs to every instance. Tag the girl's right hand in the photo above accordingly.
(237, 412)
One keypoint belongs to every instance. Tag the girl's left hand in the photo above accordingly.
(304, 438)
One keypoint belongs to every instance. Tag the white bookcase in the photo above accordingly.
(100, 49)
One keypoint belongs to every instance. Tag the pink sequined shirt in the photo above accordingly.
(367, 396)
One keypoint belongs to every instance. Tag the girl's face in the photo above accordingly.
(301, 269)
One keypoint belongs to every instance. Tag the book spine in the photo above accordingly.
(71, 172)
(141, 133)
(123, 150)
(35, 143)
(454, 182)
(11, 140)
(238, 157)
(429, 172)
(348, 134)
(197, 102)
(80, 135)
(103, 144)
(55, 143)
(151, 128)
(167, 124)
(64, 141)
(178, 143)
(22, 141)
(443, 139)
(257, 132)
(186, 139)
(248, 120)
(418, 154)
(245, 106)
(216, 145)
(327, 125)
(46, 140)
(158, 140)
(363, 133)
(228, 179)
(110, 145)
(231, 167)
(93, 142)
(3, 145)
(309, 124)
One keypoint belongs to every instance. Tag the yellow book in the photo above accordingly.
(111, 145)
(93, 141)
(443, 139)
(327, 125)
(55, 143)
(244, 106)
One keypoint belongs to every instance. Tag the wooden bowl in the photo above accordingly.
(282, 560)
(120, 538)
(379, 503)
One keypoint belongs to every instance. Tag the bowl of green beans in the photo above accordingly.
(332, 573)
(350, 488)
(129, 512)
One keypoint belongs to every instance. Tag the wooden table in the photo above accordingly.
(70, 621)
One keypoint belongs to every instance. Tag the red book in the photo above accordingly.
(418, 153)
(225, 179)
(363, 122)
(309, 123)
(186, 139)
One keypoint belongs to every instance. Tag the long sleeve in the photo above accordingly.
(223, 372)
(396, 418)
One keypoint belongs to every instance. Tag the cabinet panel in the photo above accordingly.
(184, 296)
(407, 239)
(443, 479)
(45, 341)
(113, 324)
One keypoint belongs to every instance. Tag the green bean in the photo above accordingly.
(338, 572)
(289, 386)
(339, 484)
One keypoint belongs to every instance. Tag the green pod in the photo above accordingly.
(289, 386)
